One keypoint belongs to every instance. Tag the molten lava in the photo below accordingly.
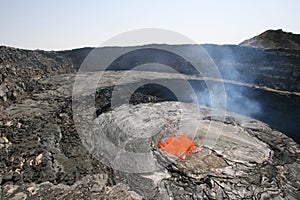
(178, 146)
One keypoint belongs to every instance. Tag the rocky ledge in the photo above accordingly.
(246, 160)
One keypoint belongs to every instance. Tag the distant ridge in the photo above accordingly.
(274, 39)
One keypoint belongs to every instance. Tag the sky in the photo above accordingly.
(67, 24)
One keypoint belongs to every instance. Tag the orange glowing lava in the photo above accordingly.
(178, 146)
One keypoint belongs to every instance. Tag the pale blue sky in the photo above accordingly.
(66, 24)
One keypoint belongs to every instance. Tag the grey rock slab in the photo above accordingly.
(238, 165)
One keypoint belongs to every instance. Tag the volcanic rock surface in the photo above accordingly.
(274, 39)
(243, 162)
(43, 155)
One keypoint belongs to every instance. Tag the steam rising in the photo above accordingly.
(240, 99)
